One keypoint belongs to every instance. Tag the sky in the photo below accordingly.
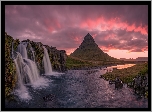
(119, 30)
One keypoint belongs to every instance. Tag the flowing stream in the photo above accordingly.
(80, 89)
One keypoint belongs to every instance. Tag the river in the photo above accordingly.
(79, 89)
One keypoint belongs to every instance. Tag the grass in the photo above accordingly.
(72, 62)
(127, 74)
(75, 62)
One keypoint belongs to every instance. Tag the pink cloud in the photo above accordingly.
(107, 48)
(69, 51)
(51, 29)
(114, 23)
(89, 23)
(143, 30)
(145, 48)
(94, 35)
(52, 24)
(124, 25)
(57, 24)
(130, 28)
(110, 36)
(77, 39)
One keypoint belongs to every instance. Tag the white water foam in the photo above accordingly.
(23, 93)
(41, 83)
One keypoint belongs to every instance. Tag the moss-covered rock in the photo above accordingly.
(10, 68)
(39, 53)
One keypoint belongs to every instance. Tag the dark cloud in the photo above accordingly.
(120, 27)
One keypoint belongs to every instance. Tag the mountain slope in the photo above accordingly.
(89, 50)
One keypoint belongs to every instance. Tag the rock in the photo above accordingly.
(140, 85)
(10, 68)
(118, 84)
(49, 97)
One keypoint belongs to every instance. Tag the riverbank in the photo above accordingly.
(128, 75)
(73, 63)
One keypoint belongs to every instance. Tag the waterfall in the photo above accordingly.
(27, 67)
(33, 53)
(22, 49)
(26, 70)
(19, 72)
(21, 89)
(33, 71)
(47, 63)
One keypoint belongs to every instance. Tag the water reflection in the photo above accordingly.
(95, 92)
(122, 66)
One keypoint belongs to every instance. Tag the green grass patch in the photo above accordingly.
(127, 74)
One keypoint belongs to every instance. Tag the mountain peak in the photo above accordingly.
(88, 34)
(89, 50)
(88, 37)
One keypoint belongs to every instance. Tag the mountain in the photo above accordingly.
(89, 50)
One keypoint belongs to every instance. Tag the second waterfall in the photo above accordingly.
(47, 63)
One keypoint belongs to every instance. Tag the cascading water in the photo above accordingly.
(27, 71)
(33, 52)
(22, 49)
(21, 89)
(27, 67)
(47, 63)
(34, 71)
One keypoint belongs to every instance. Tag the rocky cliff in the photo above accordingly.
(10, 69)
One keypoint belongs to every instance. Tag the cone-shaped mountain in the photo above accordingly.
(89, 50)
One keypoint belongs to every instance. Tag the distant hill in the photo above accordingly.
(89, 50)
(137, 59)
(142, 59)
